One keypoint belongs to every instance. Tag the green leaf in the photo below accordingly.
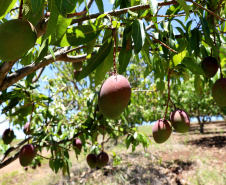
(125, 55)
(30, 15)
(42, 51)
(36, 4)
(100, 5)
(190, 63)
(65, 7)
(61, 28)
(52, 52)
(184, 5)
(145, 52)
(138, 34)
(197, 83)
(52, 24)
(6, 6)
(177, 59)
(89, 48)
(96, 59)
(181, 23)
(195, 41)
(104, 67)
(82, 34)
(153, 6)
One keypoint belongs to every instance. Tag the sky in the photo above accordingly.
(50, 73)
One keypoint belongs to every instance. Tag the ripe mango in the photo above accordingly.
(210, 66)
(180, 120)
(77, 143)
(91, 160)
(8, 136)
(102, 159)
(161, 130)
(27, 154)
(114, 96)
(17, 36)
(27, 130)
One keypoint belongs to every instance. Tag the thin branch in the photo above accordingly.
(34, 80)
(4, 121)
(163, 44)
(121, 11)
(215, 15)
(151, 91)
(89, 3)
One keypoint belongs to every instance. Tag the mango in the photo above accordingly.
(26, 154)
(102, 159)
(161, 130)
(114, 96)
(180, 121)
(210, 66)
(17, 36)
(8, 136)
(91, 160)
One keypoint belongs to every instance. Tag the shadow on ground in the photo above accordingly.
(215, 141)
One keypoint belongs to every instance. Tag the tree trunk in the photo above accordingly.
(201, 128)
(201, 125)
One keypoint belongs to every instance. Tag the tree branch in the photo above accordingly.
(5, 68)
(9, 160)
(215, 15)
(23, 72)
(121, 11)
(34, 80)
(12, 149)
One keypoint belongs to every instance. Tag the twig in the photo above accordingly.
(34, 80)
(215, 15)
(121, 11)
(5, 68)
(163, 44)
(43, 157)
(151, 91)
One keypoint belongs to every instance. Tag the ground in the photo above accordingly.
(190, 158)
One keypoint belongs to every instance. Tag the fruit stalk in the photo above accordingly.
(20, 10)
(168, 94)
(114, 62)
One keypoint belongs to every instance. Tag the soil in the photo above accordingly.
(178, 161)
